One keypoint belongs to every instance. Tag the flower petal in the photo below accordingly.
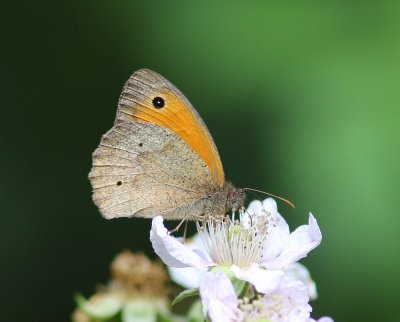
(196, 244)
(254, 207)
(288, 303)
(218, 297)
(188, 277)
(265, 281)
(300, 242)
(278, 231)
(170, 250)
(270, 205)
(300, 272)
(276, 238)
(323, 319)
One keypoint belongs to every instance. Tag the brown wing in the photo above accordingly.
(141, 169)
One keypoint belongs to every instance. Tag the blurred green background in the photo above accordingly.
(302, 101)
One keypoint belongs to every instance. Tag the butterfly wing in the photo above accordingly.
(141, 169)
(150, 163)
(178, 115)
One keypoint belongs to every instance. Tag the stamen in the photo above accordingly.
(235, 241)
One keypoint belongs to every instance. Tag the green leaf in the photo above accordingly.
(102, 308)
(185, 294)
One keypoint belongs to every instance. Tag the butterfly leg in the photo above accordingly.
(178, 226)
(185, 231)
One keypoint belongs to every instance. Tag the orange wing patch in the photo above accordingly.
(177, 115)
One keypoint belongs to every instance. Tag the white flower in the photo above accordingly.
(256, 248)
(288, 303)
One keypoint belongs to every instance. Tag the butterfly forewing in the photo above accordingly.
(177, 114)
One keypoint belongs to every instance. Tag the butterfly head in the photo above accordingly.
(235, 197)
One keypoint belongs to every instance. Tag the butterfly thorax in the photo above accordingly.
(221, 201)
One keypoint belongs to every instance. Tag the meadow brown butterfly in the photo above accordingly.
(159, 158)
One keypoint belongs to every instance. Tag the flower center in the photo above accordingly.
(231, 241)
(252, 309)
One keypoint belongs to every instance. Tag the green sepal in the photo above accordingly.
(139, 311)
(105, 307)
(240, 286)
(164, 317)
(185, 294)
(195, 313)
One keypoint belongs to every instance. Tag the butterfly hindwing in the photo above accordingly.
(142, 169)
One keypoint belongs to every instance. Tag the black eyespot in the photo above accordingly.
(140, 144)
(158, 102)
(119, 183)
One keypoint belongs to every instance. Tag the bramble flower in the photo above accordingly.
(257, 248)
(288, 303)
(289, 300)
(137, 291)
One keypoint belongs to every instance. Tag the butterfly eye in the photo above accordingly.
(158, 102)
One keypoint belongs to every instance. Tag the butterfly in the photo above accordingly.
(159, 158)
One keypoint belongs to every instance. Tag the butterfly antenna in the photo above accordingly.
(291, 204)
